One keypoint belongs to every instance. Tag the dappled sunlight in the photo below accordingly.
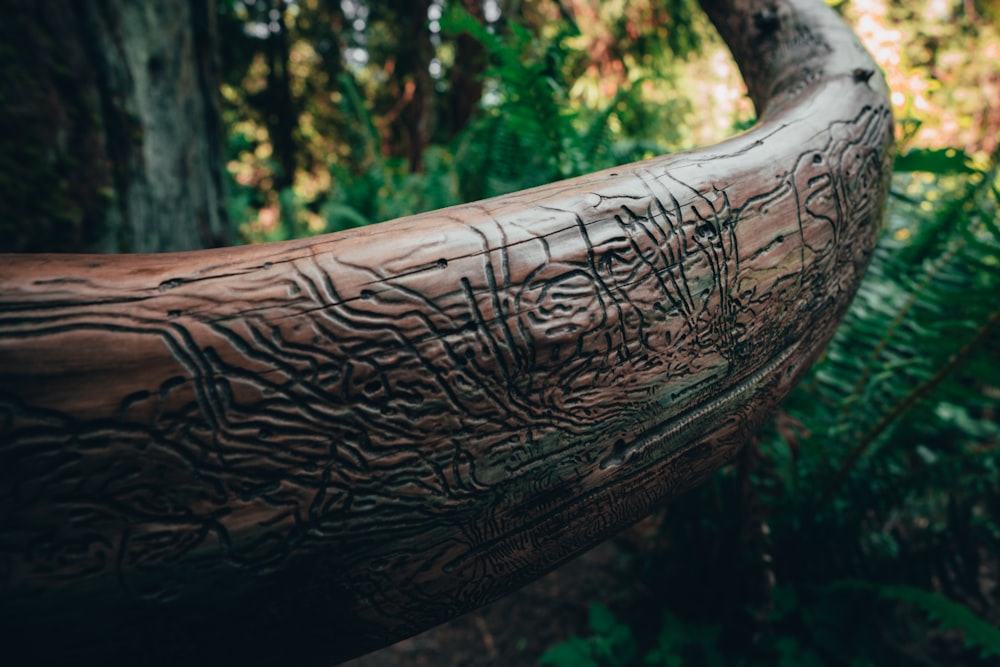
(335, 442)
(656, 81)
(942, 62)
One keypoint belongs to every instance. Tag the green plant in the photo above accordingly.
(948, 615)
(679, 643)
(859, 528)
(528, 131)
(611, 644)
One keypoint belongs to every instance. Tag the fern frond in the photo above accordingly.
(948, 614)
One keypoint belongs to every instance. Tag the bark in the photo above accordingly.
(278, 105)
(53, 166)
(119, 144)
(418, 116)
(298, 452)
(408, 123)
(465, 79)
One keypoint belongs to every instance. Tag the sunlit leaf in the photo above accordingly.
(935, 161)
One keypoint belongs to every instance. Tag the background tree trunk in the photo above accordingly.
(278, 103)
(408, 122)
(466, 81)
(119, 104)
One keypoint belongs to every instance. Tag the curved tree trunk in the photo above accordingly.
(114, 141)
(298, 452)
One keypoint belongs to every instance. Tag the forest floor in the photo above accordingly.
(515, 630)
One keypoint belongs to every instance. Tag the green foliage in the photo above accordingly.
(947, 614)
(918, 333)
(528, 133)
(379, 188)
(679, 643)
(859, 530)
(931, 161)
(611, 644)
(884, 465)
(378, 138)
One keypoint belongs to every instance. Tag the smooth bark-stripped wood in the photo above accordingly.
(300, 451)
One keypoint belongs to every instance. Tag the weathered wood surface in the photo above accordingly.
(300, 451)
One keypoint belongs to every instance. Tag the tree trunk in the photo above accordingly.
(278, 105)
(466, 78)
(118, 146)
(408, 123)
(297, 452)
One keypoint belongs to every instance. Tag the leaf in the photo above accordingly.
(793, 654)
(948, 614)
(988, 220)
(602, 621)
(935, 161)
(342, 216)
(574, 652)
(786, 601)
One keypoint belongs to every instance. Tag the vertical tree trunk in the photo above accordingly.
(119, 140)
(466, 79)
(408, 123)
(279, 113)
(418, 116)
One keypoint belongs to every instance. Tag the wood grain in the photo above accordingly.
(297, 452)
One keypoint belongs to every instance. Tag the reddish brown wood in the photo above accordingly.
(301, 451)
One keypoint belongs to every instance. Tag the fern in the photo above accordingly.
(611, 644)
(884, 467)
(528, 133)
(926, 316)
(947, 614)
(897, 475)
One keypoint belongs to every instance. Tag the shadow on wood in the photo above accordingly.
(297, 452)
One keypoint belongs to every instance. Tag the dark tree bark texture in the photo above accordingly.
(298, 452)
(113, 141)
(408, 123)
(466, 80)
(277, 103)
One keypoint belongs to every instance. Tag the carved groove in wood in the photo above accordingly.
(301, 451)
